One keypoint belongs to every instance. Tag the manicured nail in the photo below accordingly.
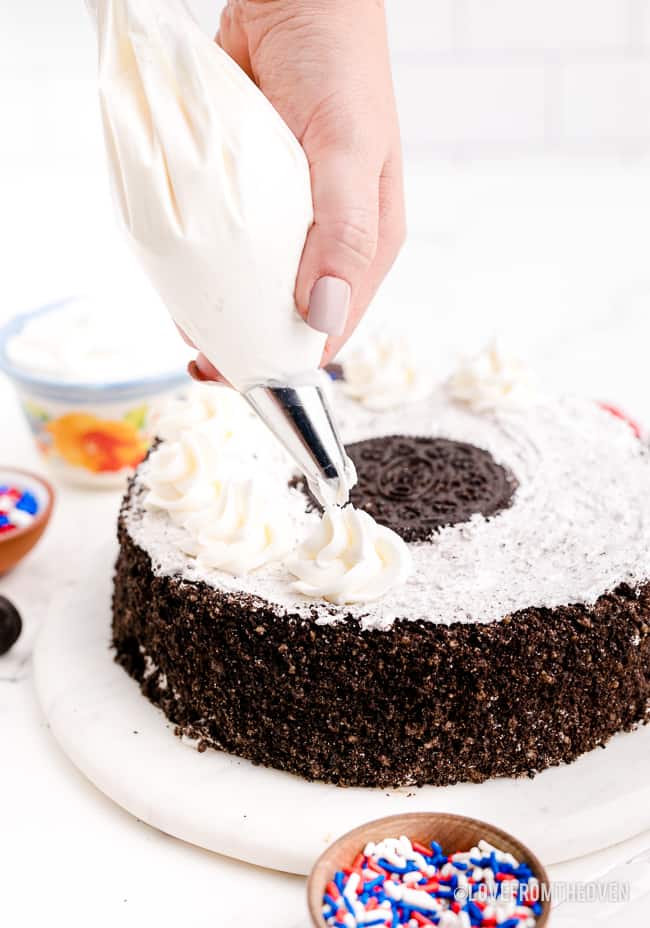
(196, 373)
(328, 305)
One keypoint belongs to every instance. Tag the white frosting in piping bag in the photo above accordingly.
(349, 558)
(212, 186)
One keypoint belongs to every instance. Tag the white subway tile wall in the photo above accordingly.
(513, 77)
(544, 25)
(524, 76)
(606, 99)
(473, 78)
(421, 28)
(468, 104)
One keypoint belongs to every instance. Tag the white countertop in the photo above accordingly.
(554, 254)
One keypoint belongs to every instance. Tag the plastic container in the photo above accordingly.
(93, 434)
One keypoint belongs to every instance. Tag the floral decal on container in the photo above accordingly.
(98, 445)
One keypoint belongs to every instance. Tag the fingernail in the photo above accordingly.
(328, 305)
(196, 373)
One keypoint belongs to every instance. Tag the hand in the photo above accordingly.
(324, 65)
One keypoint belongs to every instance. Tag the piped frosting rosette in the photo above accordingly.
(241, 530)
(229, 523)
(214, 409)
(493, 379)
(180, 475)
(387, 371)
(349, 558)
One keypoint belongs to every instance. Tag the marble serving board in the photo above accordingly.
(127, 748)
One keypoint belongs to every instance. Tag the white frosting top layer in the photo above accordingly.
(579, 523)
(91, 341)
(385, 371)
(213, 188)
(493, 379)
(349, 558)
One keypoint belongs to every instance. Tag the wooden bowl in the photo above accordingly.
(453, 832)
(15, 545)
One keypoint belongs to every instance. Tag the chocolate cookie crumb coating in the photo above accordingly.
(416, 703)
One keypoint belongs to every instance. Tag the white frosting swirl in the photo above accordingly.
(181, 475)
(214, 409)
(386, 372)
(241, 530)
(491, 380)
(230, 522)
(350, 558)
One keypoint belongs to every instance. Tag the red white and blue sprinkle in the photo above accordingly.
(402, 883)
(18, 509)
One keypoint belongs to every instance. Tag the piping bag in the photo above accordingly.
(214, 192)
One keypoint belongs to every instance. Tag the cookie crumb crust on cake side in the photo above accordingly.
(419, 702)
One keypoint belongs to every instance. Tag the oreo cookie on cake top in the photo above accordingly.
(418, 484)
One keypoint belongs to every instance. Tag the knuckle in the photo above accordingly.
(226, 19)
(231, 17)
(357, 235)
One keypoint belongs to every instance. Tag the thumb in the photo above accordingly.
(341, 244)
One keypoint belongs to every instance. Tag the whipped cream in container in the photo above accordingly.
(90, 341)
(89, 375)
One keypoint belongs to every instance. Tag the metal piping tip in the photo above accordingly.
(300, 418)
